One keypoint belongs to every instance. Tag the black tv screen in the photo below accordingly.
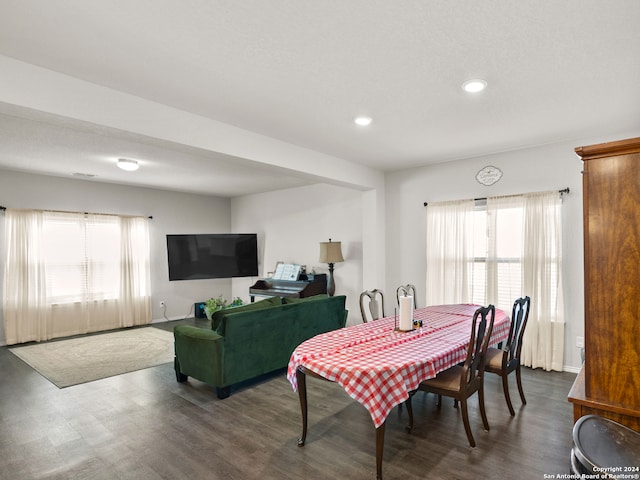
(213, 255)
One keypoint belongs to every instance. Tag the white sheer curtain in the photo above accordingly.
(524, 257)
(26, 316)
(509, 249)
(134, 307)
(543, 344)
(449, 251)
(72, 273)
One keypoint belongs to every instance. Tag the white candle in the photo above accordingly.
(406, 312)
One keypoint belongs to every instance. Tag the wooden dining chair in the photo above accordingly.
(374, 301)
(406, 290)
(503, 361)
(461, 381)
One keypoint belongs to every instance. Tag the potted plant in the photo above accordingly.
(218, 303)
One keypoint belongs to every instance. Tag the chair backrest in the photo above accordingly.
(481, 329)
(519, 317)
(406, 290)
(375, 300)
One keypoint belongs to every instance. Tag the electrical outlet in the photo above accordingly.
(579, 342)
(162, 304)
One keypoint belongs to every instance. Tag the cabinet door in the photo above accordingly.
(612, 278)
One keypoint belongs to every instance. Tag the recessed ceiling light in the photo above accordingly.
(363, 121)
(474, 86)
(128, 165)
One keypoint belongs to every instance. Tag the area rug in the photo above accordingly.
(92, 357)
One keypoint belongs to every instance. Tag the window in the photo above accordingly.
(82, 258)
(71, 273)
(495, 252)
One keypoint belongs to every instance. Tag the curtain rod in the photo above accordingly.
(85, 213)
(561, 192)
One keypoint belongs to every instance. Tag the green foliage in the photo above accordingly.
(219, 302)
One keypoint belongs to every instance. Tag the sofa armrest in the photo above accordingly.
(199, 353)
(196, 333)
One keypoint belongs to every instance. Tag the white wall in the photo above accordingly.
(530, 170)
(172, 213)
(290, 224)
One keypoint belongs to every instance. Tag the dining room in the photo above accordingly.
(214, 101)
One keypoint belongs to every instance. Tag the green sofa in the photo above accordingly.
(254, 339)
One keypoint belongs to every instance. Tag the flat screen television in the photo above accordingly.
(212, 255)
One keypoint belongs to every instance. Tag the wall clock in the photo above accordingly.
(489, 175)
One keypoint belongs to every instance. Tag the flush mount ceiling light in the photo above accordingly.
(474, 86)
(128, 165)
(363, 121)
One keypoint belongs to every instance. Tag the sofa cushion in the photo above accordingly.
(216, 318)
(320, 296)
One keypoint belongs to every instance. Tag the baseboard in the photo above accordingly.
(567, 368)
(167, 319)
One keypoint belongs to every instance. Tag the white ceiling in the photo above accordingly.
(36, 142)
(300, 70)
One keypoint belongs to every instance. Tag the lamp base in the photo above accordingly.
(331, 284)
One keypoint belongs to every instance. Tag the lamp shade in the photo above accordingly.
(330, 252)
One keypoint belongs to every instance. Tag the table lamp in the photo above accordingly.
(330, 252)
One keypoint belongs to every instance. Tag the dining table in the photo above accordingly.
(378, 365)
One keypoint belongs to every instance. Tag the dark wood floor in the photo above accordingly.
(145, 425)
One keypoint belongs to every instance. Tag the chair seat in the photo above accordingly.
(447, 380)
(493, 360)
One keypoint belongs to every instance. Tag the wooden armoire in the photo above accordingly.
(609, 382)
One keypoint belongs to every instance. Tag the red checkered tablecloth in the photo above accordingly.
(378, 366)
